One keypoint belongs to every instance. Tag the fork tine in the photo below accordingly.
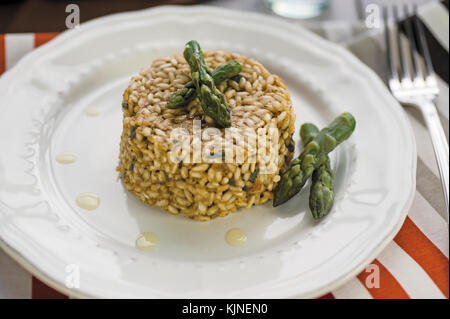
(393, 75)
(422, 44)
(412, 43)
(403, 67)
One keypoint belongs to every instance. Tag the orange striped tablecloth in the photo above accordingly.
(414, 265)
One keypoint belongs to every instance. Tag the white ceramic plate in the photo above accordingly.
(287, 255)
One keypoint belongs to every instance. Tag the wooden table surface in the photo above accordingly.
(49, 15)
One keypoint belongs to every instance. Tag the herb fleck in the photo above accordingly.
(231, 182)
(133, 132)
(253, 176)
(131, 168)
(245, 188)
(236, 78)
(291, 147)
(125, 104)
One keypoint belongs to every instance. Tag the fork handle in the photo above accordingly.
(440, 144)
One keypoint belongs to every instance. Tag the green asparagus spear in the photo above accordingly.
(314, 155)
(321, 195)
(308, 132)
(184, 96)
(212, 100)
(226, 71)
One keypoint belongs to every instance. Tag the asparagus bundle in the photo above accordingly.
(313, 156)
(321, 194)
(184, 96)
(212, 100)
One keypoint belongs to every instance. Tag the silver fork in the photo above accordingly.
(410, 85)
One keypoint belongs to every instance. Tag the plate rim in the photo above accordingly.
(344, 55)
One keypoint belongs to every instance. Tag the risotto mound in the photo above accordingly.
(203, 187)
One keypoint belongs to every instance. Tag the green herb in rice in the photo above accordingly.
(253, 176)
(133, 132)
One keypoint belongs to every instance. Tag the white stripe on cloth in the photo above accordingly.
(353, 289)
(432, 225)
(16, 46)
(413, 279)
(435, 16)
